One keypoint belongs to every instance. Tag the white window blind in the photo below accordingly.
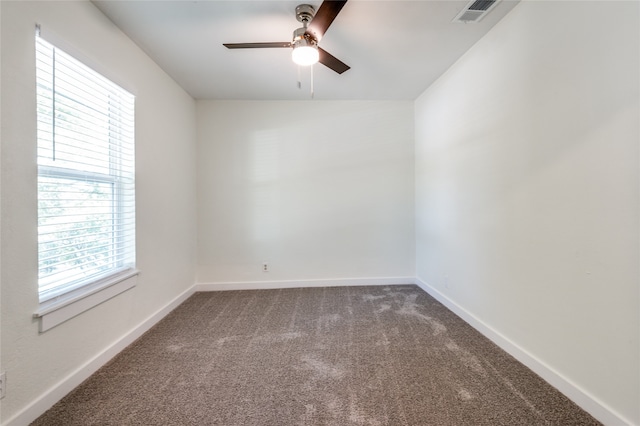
(86, 191)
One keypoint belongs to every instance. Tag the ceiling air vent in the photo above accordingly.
(475, 11)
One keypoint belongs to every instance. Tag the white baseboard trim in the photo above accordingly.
(66, 385)
(582, 398)
(337, 282)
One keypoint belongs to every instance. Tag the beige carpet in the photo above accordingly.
(314, 356)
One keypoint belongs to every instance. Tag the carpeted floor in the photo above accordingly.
(314, 356)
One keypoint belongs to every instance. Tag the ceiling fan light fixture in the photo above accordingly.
(305, 55)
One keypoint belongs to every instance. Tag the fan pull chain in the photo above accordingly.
(311, 81)
(299, 79)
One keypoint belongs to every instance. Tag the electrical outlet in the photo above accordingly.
(3, 384)
(265, 267)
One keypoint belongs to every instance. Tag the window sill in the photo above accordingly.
(56, 311)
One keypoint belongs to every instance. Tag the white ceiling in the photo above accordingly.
(396, 49)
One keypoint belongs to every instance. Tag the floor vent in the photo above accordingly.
(475, 11)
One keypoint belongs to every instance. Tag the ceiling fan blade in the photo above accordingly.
(325, 15)
(332, 62)
(257, 45)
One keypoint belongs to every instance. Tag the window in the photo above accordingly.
(86, 204)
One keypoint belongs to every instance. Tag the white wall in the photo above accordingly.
(166, 193)
(527, 191)
(318, 189)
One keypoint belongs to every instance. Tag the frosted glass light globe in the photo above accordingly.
(305, 55)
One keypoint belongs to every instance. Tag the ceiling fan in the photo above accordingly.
(305, 39)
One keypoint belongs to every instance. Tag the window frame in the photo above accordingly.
(74, 296)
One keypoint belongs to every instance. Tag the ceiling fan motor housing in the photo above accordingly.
(304, 14)
(300, 38)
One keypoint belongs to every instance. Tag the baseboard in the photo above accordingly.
(62, 388)
(337, 282)
(582, 398)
